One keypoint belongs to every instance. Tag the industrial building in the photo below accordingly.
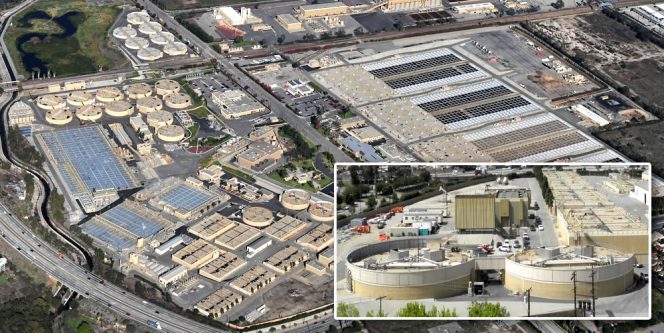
(368, 134)
(253, 280)
(258, 245)
(182, 199)
(285, 228)
(20, 114)
(237, 236)
(211, 227)
(195, 255)
(230, 16)
(475, 8)
(259, 155)
(323, 9)
(408, 5)
(91, 173)
(236, 104)
(170, 133)
(286, 259)
(317, 238)
(126, 226)
(289, 23)
(586, 216)
(176, 273)
(217, 303)
(506, 207)
(222, 267)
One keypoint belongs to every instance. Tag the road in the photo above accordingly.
(280, 110)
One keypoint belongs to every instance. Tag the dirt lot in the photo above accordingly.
(640, 143)
(293, 296)
(614, 49)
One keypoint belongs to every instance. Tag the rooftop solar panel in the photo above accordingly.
(186, 197)
(135, 223)
(107, 234)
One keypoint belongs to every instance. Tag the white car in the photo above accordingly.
(541, 227)
(525, 235)
(506, 242)
(504, 248)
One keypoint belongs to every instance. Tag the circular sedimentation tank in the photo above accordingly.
(295, 199)
(149, 54)
(137, 18)
(124, 32)
(160, 118)
(51, 102)
(177, 100)
(109, 94)
(149, 28)
(138, 90)
(148, 104)
(442, 274)
(258, 217)
(119, 108)
(322, 211)
(166, 86)
(59, 117)
(162, 38)
(80, 98)
(89, 112)
(175, 49)
(136, 43)
(170, 133)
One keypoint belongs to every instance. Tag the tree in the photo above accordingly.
(347, 310)
(486, 309)
(415, 309)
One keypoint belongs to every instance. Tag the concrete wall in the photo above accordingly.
(610, 280)
(475, 211)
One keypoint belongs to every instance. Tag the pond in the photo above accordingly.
(68, 22)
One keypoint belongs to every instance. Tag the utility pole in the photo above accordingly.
(592, 291)
(574, 291)
(380, 304)
(528, 299)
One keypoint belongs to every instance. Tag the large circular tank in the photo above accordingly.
(136, 43)
(160, 118)
(149, 28)
(175, 49)
(322, 211)
(89, 112)
(137, 18)
(138, 90)
(149, 54)
(80, 98)
(552, 278)
(162, 38)
(119, 108)
(177, 100)
(109, 94)
(258, 217)
(166, 86)
(295, 199)
(58, 117)
(124, 32)
(170, 133)
(148, 104)
(51, 102)
(440, 275)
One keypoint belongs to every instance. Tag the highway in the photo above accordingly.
(280, 110)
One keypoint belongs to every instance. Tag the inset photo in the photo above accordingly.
(432, 241)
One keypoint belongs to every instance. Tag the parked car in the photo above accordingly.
(455, 249)
(517, 244)
(532, 227)
(541, 227)
(499, 244)
(506, 242)
(531, 216)
(538, 220)
(504, 249)
(526, 236)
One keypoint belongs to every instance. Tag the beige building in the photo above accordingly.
(493, 208)
(20, 114)
(367, 134)
(289, 22)
(259, 154)
(323, 9)
(235, 104)
(195, 254)
(408, 5)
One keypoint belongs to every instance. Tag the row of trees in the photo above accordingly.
(302, 149)
(544, 185)
(419, 310)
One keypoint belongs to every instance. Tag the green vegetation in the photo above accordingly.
(329, 160)
(303, 148)
(241, 42)
(347, 310)
(22, 149)
(544, 185)
(415, 309)
(3, 279)
(486, 309)
(300, 166)
(347, 114)
(57, 206)
(242, 175)
(196, 30)
(200, 112)
(84, 52)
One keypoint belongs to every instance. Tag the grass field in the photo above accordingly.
(83, 52)
(641, 143)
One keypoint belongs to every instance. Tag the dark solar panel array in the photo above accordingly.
(520, 135)
(537, 147)
(467, 98)
(482, 109)
(442, 73)
(415, 66)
